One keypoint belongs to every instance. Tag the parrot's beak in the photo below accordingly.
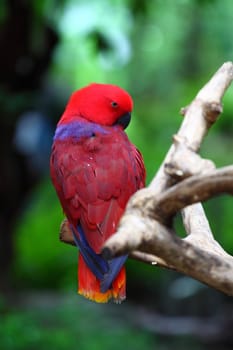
(124, 120)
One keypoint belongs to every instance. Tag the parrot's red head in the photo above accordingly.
(103, 104)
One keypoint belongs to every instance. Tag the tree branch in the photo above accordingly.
(66, 236)
(197, 188)
(150, 236)
(199, 116)
(145, 225)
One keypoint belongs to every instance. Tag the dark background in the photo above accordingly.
(162, 52)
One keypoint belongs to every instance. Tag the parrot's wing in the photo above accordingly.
(140, 171)
(94, 189)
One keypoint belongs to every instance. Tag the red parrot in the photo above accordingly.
(95, 169)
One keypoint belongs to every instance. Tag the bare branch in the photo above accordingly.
(149, 259)
(197, 120)
(199, 233)
(197, 188)
(178, 168)
(145, 225)
(150, 236)
(66, 236)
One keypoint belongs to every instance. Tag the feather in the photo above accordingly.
(114, 267)
(94, 261)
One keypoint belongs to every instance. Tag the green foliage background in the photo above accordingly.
(162, 52)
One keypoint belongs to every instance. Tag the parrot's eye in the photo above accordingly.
(114, 104)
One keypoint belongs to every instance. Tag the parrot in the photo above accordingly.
(95, 169)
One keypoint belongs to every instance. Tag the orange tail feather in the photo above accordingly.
(89, 285)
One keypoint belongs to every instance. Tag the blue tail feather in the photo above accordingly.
(115, 265)
(94, 261)
(105, 270)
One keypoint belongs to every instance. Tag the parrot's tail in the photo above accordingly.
(89, 285)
